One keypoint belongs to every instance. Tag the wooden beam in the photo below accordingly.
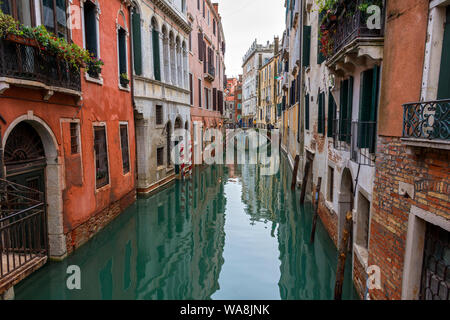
(294, 173)
(316, 209)
(343, 250)
(305, 181)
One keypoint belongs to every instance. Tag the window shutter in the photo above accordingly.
(349, 109)
(321, 122)
(320, 56)
(365, 102)
(200, 46)
(307, 112)
(90, 28)
(122, 51)
(444, 77)
(215, 99)
(156, 57)
(306, 45)
(374, 109)
(343, 110)
(331, 114)
(136, 21)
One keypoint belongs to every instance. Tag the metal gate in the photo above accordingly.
(435, 283)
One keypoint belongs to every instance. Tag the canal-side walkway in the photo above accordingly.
(227, 233)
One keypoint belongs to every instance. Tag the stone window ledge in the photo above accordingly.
(98, 80)
(362, 255)
(425, 143)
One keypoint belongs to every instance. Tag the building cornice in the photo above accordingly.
(173, 14)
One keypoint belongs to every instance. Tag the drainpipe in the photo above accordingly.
(130, 10)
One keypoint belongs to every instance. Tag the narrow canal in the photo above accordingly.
(229, 233)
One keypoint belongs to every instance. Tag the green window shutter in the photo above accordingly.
(444, 77)
(156, 58)
(320, 56)
(122, 51)
(349, 109)
(368, 108)
(306, 45)
(343, 109)
(374, 109)
(320, 128)
(331, 114)
(137, 49)
(307, 112)
(365, 102)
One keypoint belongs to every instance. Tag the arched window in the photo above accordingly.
(156, 56)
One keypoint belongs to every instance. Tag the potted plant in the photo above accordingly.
(94, 67)
(124, 81)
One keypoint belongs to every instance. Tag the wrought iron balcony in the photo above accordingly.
(356, 137)
(427, 121)
(351, 23)
(29, 65)
(23, 232)
(210, 73)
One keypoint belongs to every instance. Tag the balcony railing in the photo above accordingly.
(356, 137)
(428, 120)
(210, 72)
(23, 229)
(27, 62)
(352, 24)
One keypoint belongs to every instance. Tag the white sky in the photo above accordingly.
(245, 20)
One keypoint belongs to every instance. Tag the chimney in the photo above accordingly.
(276, 45)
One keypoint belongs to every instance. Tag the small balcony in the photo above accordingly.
(27, 65)
(210, 73)
(349, 37)
(358, 138)
(427, 124)
(23, 233)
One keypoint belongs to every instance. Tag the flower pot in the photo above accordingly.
(124, 82)
(21, 40)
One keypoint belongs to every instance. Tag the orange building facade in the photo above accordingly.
(71, 134)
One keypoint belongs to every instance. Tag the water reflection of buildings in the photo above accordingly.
(181, 237)
(306, 271)
(169, 246)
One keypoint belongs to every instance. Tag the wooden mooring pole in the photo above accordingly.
(343, 251)
(294, 173)
(316, 209)
(305, 181)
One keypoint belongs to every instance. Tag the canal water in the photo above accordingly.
(228, 233)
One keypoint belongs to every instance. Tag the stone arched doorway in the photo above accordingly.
(24, 156)
(345, 199)
(31, 159)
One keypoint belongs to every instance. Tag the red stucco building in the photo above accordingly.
(70, 134)
(207, 78)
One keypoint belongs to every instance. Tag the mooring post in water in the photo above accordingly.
(294, 173)
(305, 181)
(316, 209)
(343, 250)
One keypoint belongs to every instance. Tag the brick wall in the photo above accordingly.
(359, 277)
(429, 171)
(80, 235)
(329, 218)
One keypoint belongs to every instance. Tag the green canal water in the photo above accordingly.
(228, 233)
